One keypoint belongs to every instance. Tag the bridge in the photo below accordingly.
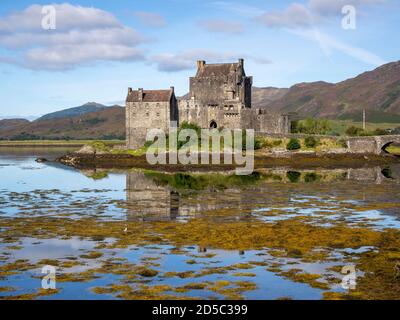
(372, 144)
(367, 144)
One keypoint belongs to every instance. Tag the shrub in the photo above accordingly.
(379, 132)
(258, 143)
(354, 131)
(312, 126)
(342, 143)
(293, 144)
(311, 177)
(99, 146)
(294, 126)
(310, 142)
(293, 176)
(189, 125)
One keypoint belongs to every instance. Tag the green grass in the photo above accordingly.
(340, 126)
(393, 150)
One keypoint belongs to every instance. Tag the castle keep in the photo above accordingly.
(147, 109)
(219, 97)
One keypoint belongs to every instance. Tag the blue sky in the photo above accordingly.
(99, 48)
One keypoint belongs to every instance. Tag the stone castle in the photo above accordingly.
(219, 97)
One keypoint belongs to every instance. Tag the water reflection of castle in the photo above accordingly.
(149, 201)
(146, 199)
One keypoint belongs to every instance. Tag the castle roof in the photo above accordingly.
(149, 95)
(218, 69)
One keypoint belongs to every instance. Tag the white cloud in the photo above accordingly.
(296, 15)
(329, 44)
(68, 17)
(303, 19)
(329, 7)
(222, 26)
(151, 19)
(65, 56)
(82, 36)
(312, 13)
(186, 60)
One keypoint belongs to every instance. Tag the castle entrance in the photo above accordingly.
(213, 125)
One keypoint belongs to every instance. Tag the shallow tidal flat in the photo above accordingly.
(140, 234)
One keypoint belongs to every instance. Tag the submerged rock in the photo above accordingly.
(40, 160)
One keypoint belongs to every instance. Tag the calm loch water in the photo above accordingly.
(277, 234)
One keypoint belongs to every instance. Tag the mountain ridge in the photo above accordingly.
(74, 111)
(377, 91)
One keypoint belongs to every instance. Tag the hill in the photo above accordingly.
(7, 124)
(72, 112)
(108, 123)
(263, 97)
(377, 91)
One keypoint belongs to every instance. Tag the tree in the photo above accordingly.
(312, 126)
(293, 144)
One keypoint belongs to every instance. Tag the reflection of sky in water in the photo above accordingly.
(269, 285)
(16, 177)
(75, 193)
(63, 188)
(330, 209)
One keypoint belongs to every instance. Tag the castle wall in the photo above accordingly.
(141, 116)
(274, 123)
(262, 121)
(195, 112)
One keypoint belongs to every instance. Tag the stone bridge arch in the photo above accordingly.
(375, 144)
(382, 142)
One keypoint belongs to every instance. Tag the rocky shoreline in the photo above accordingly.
(261, 160)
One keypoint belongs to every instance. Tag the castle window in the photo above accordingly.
(157, 114)
(147, 114)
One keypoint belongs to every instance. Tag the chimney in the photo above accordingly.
(172, 90)
(129, 90)
(241, 62)
(200, 64)
(140, 94)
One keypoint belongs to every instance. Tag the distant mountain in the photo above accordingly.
(7, 124)
(106, 123)
(377, 91)
(263, 97)
(13, 117)
(72, 112)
